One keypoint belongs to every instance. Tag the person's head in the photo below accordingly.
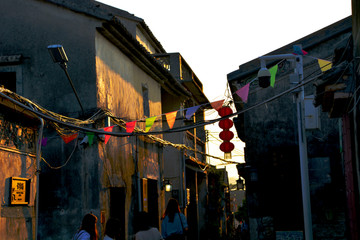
(142, 221)
(89, 225)
(172, 208)
(113, 227)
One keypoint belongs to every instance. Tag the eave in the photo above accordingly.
(119, 36)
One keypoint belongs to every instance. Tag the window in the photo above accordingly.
(11, 73)
(8, 80)
(145, 93)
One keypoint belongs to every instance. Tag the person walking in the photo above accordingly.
(174, 225)
(112, 229)
(144, 229)
(87, 230)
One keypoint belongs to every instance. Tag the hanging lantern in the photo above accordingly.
(226, 123)
(227, 147)
(224, 111)
(226, 135)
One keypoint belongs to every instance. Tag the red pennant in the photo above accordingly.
(69, 138)
(217, 105)
(130, 126)
(108, 129)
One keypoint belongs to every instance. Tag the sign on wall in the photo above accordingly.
(19, 191)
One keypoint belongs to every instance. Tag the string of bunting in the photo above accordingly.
(130, 126)
(324, 65)
(68, 134)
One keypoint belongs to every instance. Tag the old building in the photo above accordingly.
(18, 175)
(187, 169)
(90, 161)
(273, 164)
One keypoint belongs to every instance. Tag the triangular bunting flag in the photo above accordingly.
(44, 142)
(90, 136)
(243, 92)
(108, 129)
(273, 72)
(85, 140)
(298, 50)
(217, 105)
(190, 111)
(69, 138)
(324, 65)
(149, 122)
(130, 126)
(170, 118)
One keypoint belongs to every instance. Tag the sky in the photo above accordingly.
(215, 37)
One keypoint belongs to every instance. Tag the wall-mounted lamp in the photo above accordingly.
(167, 185)
(240, 184)
(58, 55)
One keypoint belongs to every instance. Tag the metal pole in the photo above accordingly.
(63, 66)
(301, 137)
(303, 154)
(304, 167)
(38, 159)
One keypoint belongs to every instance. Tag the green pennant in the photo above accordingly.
(149, 123)
(273, 72)
(90, 136)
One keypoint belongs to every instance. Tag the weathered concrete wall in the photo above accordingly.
(270, 133)
(120, 89)
(17, 159)
(28, 28)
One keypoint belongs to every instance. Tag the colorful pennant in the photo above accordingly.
(298, 50)
(170, 118)
(190, 111)
(243, 92)
(90, 136)
(69, 138)
(324, 65)
(130, 126)
(108, 129)
(44, 142)
(217, 105)
(273, 72)
(149, 122)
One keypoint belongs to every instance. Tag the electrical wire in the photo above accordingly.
(71, 123)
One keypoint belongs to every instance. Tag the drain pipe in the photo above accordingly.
(38, 159)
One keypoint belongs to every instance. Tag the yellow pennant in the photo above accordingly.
(324, 65)
(149, 122)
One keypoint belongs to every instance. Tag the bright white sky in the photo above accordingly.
(215, 37)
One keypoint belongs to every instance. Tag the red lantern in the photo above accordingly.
(227, 147)
(226, 135)
(226, 123)
(224, 111)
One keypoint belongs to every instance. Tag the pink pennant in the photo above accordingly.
(170, 118)
(108, 129)
(243, 92)
(130, 126)
(217, 105)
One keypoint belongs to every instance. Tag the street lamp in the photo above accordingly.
(167, 185)
(240, 184)
(58, 55)
(298, 76)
